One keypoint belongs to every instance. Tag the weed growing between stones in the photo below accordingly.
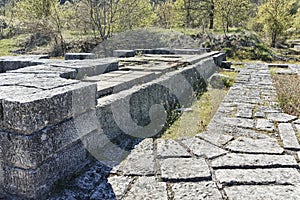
(195, 119)
(288, 93)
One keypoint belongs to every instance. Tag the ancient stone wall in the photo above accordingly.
(51, 124)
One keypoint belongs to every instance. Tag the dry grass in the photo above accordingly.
(195, 121)
(288, 93)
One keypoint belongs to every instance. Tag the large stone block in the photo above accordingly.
(35, 183)
(32, 150)
(39, 110)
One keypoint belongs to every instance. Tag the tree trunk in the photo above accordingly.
(211, 16)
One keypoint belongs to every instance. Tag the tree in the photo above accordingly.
(42, 16)
(232, 12)
(275, 17)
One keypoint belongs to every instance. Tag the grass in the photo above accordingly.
(288, 93)
(7, 45)
(195, 121)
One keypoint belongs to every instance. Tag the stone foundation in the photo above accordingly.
(51, 124)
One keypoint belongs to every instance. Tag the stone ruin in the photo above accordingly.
(56, 115)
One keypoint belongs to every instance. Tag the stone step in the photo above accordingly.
(117, 81)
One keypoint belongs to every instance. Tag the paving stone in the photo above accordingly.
(282, 176)
(242, 132)
(141, 160)
(119, 184)
(196, 191)
(250, 161)
(202, 148)
(178, 169)
(259, 192)
(170, 148)
(215, 138)
(244, 112)
(265, 125)
(239, 122)
(281, 117)
(147, 188)
(249, 145)
(288, 136)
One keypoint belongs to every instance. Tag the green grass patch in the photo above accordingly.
(196, 120)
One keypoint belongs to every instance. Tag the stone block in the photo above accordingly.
(255, 192)
(282, 176)
(34, 149)
(202, 148)
(124, 53)
(79, 56)
(35, 183)
(148, 188)
(250, 161)
(49, 107)
(249, 145)
(288, 136)
(170, 148)
(194, 191)
(184, 169)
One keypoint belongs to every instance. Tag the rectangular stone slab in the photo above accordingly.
(283, 176)
(255, 192)
(184, 169)
(233, 161)
(34, 149)
(288, 136)
(34, 184)
(38, 110)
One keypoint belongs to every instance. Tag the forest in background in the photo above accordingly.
(273, 20)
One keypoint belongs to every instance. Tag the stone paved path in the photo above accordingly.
(249, 151)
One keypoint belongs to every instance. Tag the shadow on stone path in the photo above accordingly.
(249, 151)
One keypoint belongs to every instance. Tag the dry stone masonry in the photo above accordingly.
(56, 116)
(238, 157)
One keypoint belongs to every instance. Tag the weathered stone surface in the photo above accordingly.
(170, 148)
(38, 110)
(35, 183)
(196, 191)
(245, 111)
(257, 192)
(217, 81)
(33, 150)
(202, 148)
(283, 176)
(288, 136)
(119, 185)
(297, 121)
(178, 169)
(239, 122)
(124, 53)
(79, 56)
(281, 117)
(250, 161)
(47, 69)
(248, 145)
(265, 125)
(147, 188)
(215, 138)
(141, 160)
